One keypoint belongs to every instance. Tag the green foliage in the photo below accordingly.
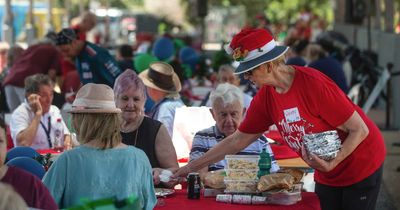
(283, 11)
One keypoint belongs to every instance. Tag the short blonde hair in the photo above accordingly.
(98, 126)
(278, 61)
(9, 199)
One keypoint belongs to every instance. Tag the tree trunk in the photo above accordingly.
(389, 16)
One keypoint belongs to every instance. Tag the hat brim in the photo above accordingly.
(146, 80)
(267, 57)
(95, 111)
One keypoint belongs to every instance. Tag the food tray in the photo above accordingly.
(241, 174)
(242, 161)
(240, 186)
(284, 197)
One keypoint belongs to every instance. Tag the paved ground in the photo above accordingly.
(389, 197)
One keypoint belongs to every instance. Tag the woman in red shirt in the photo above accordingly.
(300, 101)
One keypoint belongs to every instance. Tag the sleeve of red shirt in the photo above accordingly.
(332, 104)
(257, 119)
(44, 199)
(56, 64)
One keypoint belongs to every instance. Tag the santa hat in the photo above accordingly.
(253, 47)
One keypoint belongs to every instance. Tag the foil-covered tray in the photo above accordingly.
(161, 192)
(325, 145)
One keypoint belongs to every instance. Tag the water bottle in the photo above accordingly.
(264, 164)
(58, 144)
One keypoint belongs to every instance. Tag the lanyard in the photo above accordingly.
(47, 131)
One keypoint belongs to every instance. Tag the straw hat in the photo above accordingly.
(161, 76)
(253, 47)
(94, 98)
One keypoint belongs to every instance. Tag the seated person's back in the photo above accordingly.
(102, 167)
(30, 188)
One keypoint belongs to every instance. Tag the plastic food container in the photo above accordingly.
(242, 161)
(241, 174)
(286, 197)
(240, 186)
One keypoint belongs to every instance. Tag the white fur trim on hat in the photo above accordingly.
(228, 48)
(260, 51)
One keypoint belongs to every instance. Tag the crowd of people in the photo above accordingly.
(123, 110)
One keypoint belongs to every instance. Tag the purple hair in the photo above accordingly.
(126, 80)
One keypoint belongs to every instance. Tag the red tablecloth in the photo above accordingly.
(46, 151)
(179, 201)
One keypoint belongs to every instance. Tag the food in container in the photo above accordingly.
(257, 200)
(275, 181)
(240, 186)
(241, 199)
(325, 145)
(242, 161)
(224, 198)
(241, 174)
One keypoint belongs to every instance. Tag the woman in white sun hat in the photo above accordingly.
(300, 101)
(102, 166)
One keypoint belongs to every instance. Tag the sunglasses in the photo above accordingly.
(248, 73)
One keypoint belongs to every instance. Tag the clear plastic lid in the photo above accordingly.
(242, 161)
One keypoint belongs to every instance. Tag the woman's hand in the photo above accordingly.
(164, 176)
(156, 175)
(317, 163)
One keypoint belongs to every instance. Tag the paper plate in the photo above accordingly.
(161, 192)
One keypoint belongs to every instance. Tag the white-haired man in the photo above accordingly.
(227, 110)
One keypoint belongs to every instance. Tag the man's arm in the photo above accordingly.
(26, 136)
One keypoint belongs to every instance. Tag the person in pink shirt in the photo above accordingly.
(300, 101)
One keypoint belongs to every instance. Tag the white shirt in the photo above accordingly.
(23, 116)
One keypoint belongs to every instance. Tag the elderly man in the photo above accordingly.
(227, 110)
(36, 123)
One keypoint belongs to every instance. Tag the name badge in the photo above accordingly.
(292, 115)
(87, 75)
(85, 66)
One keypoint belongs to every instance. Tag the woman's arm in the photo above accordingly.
(357, 130)
(165, 150)
(230, 145)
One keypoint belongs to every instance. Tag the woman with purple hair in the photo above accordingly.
(141, 131)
